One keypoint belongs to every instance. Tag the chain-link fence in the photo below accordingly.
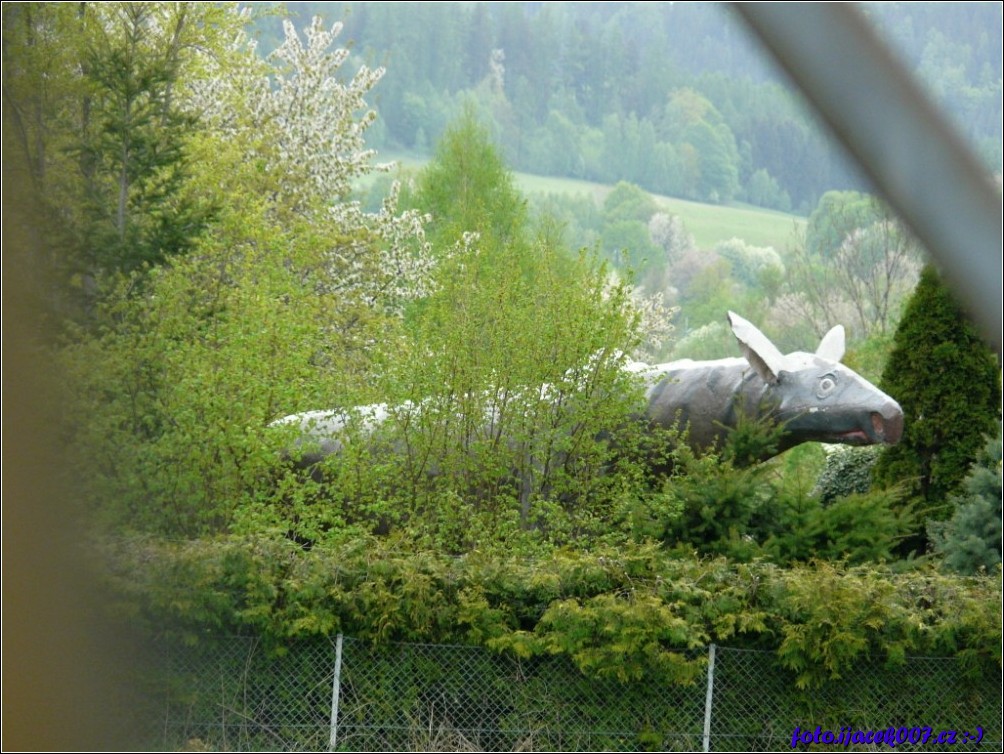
(234, 696)
(756, 708)
(350, 696)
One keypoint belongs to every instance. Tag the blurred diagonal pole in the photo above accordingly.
(899, 139)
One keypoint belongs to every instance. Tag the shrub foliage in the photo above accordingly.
(624, 611)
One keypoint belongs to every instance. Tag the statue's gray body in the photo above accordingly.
(812, 396)
(323, 433)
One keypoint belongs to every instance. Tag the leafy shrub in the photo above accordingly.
(848, 471)
(621, 611)
(858, 528)
(750, 264)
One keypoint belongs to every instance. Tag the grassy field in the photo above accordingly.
(709, 223)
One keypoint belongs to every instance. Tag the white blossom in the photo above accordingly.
(311, 122)
(306, 126)
(496, 67)
(655, 324)
(653, 319)
(669, 234)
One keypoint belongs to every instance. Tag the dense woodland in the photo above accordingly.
(675, 97)
(200, 247)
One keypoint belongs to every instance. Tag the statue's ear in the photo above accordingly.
(832, 345)
(762, 355)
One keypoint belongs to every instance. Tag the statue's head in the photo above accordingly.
(816, 397)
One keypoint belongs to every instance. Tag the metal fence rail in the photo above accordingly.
(347, 695)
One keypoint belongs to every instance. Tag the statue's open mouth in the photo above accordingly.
(889, 428)
(854, 437)
(886, 429)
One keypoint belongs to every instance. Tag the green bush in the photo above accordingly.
(848, 471)
(970, 540)
(623, 611)
(858, 528)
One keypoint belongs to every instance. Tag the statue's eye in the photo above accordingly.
(826, 385)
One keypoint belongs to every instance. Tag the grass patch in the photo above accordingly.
(709, 223)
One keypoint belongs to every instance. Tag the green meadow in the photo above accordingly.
(708, 223)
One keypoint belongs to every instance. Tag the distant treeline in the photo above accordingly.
(674, 97)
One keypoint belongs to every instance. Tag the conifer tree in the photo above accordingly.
(971, 539)
(949, 384)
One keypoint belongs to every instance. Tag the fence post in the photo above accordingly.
(335, 687)
(709, 697)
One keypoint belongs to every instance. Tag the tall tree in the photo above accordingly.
(132, 148)
(513, 311)
(467, 187)
(948, 382)
(95, 111)
(854, 265)
(40, 105)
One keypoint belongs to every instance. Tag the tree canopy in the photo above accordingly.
(674, 97)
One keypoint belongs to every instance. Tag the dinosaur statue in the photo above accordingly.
(812, 396)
